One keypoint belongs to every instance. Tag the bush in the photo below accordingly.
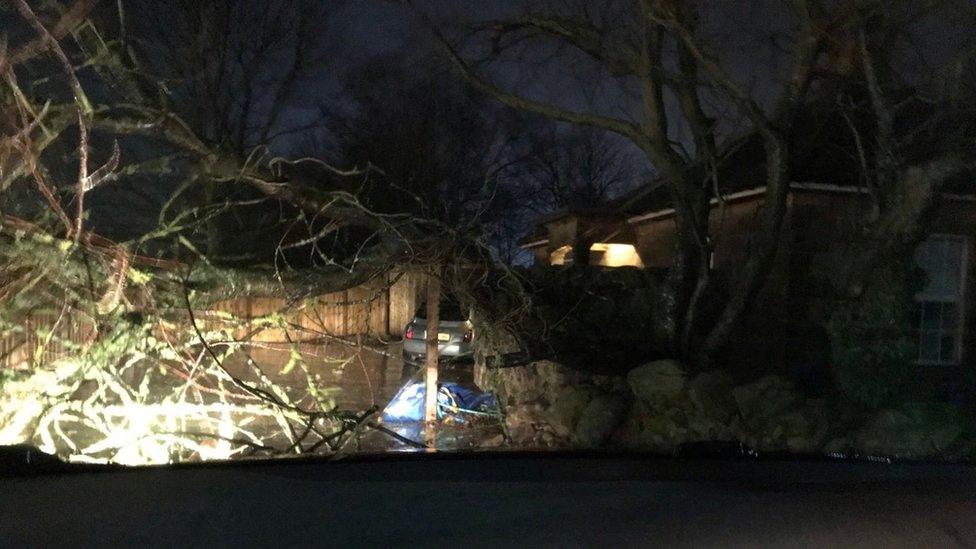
(871, 339)
(595, 321)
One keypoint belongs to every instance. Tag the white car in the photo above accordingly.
(454, 334)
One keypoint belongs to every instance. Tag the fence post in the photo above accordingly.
(389, 303)
(345, 312)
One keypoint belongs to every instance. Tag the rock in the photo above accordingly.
(816, 427)
(493, 442)
(598, 420)
(610, 384)
(915, 430)
(710, 394)
(776, 417)
(710, 379)
(793, 432)
(657, 383)
(668, 427)
(965, 450)
(765, 398)
(661, 433)
(569, 404)
(679, 411)
(523, 415)
(604, 383)
(706, 428)
(619, 385)
(838, 445)
(521, 424)
(530, 426)
(884, 434)
(538, 381)
(800, 431)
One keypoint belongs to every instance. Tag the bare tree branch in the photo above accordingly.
(622, 127)
(617, 56)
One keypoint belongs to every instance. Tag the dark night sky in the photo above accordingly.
(751, 34)
(359, 30)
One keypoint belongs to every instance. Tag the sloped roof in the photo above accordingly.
(824, 151)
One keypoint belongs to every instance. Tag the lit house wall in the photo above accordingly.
(562, 255)
(614, 255)
(604, 254)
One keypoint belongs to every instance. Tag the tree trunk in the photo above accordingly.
(754, 273)
(430, 375)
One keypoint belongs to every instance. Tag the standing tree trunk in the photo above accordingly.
(430, 376)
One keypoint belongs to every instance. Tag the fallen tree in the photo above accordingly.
(121, 328)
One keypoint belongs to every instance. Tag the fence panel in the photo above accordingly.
(380, 308)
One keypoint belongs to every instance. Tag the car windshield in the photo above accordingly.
(730, 228)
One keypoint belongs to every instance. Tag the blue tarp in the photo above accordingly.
(453, 400)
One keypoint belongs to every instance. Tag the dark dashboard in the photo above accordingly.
(495, 500)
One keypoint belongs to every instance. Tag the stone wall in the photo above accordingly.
(658, 407)
(550, 406)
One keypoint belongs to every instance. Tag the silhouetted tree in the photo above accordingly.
(680, 81)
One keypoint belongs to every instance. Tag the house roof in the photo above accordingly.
(824, 155)
(817, 155)
(824, 151)
(539, 235)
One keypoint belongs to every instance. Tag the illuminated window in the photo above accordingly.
(614, 255)
(562, 255)
(938, 312)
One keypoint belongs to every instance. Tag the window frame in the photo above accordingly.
(960, 301)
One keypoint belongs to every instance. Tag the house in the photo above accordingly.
(826, 205)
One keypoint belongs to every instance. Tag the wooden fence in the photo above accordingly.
(44, 337)
(380, 308)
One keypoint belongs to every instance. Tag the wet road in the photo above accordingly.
(195, 424)
(350, 377)
(356, 378)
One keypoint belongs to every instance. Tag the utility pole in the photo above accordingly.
(433, 327)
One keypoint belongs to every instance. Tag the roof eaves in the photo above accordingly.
(817, 187)
(534, 244)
